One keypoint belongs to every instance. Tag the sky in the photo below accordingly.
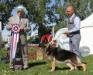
(53, 2)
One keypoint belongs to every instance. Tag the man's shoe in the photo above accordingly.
(25, 67)
(11, 67)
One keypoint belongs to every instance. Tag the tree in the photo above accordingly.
(36, 9)
(0, 40)
(91, 5)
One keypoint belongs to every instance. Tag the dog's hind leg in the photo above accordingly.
(78, 62)
(83, 65)
(53, 65)
(70, 65)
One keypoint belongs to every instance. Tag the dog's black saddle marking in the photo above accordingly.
(59, 54)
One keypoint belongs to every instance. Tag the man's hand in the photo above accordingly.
(66, 33)
(21, 27)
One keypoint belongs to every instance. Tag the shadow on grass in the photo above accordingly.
(32, 64)
(64, 68)
(67, 68)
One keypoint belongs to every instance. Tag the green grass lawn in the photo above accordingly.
(43, 68)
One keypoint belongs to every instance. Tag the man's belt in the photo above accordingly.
(74, 33)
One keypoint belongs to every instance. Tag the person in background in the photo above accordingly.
(18, 25)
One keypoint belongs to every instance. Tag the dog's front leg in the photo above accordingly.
(53, 65)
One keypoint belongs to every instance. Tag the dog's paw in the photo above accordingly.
(52, 70)
(84, 67)
(72, 69)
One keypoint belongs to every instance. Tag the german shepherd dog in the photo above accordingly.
(56, 54)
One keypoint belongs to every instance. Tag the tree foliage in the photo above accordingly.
(37, 9)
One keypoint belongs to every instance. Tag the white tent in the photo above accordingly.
(86, 43)
(87, 21)
(86, 34)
